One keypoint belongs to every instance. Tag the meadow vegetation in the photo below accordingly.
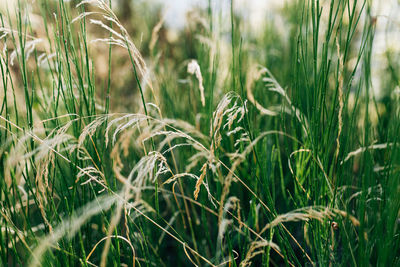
(127, 143)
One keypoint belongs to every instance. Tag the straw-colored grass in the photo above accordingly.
(125, 142)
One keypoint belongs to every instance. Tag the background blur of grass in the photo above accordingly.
(233, 136)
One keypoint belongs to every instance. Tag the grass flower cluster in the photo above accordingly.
(125, 142)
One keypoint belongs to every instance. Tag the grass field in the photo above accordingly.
(128, 142)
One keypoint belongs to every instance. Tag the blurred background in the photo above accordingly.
(270, 22)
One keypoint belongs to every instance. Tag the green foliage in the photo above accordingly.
(109, 156)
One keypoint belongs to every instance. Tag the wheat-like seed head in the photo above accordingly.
(256, 248)
(194, 68)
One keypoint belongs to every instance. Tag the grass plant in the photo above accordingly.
(126, 143)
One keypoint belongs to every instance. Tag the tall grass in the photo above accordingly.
(126, 143)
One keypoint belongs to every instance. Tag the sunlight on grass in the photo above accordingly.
(205, 133)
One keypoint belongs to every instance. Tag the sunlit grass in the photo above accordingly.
(127, 143)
